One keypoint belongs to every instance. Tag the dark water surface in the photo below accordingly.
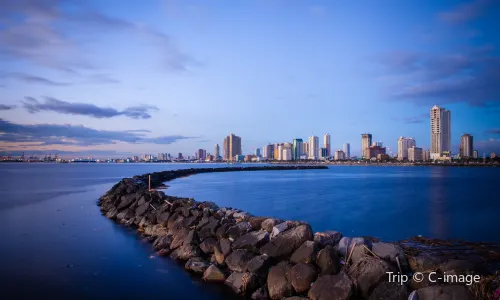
(55, 244)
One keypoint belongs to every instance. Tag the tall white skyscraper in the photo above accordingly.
(440, 131)
(404, 144)
(326, 143)
(366, 142)
(313, 147)
(347, 150)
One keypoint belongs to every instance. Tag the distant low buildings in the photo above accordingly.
(415, 154)
(238, 157)
(250, 157)
(404, 144)
(475, 154)
(373, 151)
(339, 155)
(493, 155)
(383, 157)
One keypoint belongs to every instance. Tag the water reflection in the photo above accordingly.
(438, 200)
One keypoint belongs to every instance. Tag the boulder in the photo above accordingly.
(207, 204)
(259, 265)
(221, 232)
(389, 291)
(346, 243)
(268, 224)
(369, 272)
(162, 218)
(235, 231)
(459, 267)
(425, 282)
(214, 274)
(163, 242)
(126, 214)
(302, 275)
(445, 292)
(331, 287)
(424, 262)
(278, 283)
(204, 221)
(323, 239)
(185, 252)
(241, 216)
(252, 241)
(287, 242)
(207, 246)
(154, 230)
(279, 228)
(295, 298)
(209, 229)
(358, 253)
(191, 238)
(179, 238)
(125, 201)
(256, 222)
(242, 283)
(190, 221)
(218, 255)
(328, 261)
(197, 265)
(111, 214)
(391, 253)
(142, 209)
(305, 254)
(163, 252)
(260, 294)
(225, 246)
(238, 260)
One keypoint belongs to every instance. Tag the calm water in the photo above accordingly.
(55, 243)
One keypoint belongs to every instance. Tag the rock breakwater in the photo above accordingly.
(268, 258)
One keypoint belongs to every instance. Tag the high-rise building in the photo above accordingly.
(493, 155)
(339, 155)
(232, 147)
(475, 154)
(257, 152)
(305, 151)
(347, 150)
(313, 147)
(202, 154)
(373, 151)
(276, 151)
(268, 152)
(297, 149)
(366, 141)
(426, 155)
(180, 156)
(286, 152)
(323, 153)
(216, 151)
(404, 144)
(440, 131)
(466, 145)
(414, 154)
(326, 144)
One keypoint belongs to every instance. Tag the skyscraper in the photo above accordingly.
(277, 151)
(286, 152)
(440, 131)
(404, 144)
(305, 151)
(257, 152)
(466, 145)
(366, 141)
(326, 144)
(313, 147)
(201, 155)
(232, 147)
(475, 154)
(217, 151)
(414, 153)
(268, 152)
(298, 149)
(347, 150)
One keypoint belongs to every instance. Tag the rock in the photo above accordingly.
(459, 267)
(163, 242)
(252, 241)
(242, 283)
(207, 204)
(287, 242)
(163, 218)
(185, 252)
(214, 274)
(256, 222)
(331, 287)
(202, 223)
(279, 228)
(369, 272)
(222, 230)
(190, 221)
(346, 243)
(207, 246)
(358, 253)
(112, 213)
(219, 256)
(238, 260)
(305, 254)
(391, 253)
(295, 298)
(142, 209)
(425, 282)
(235, 231)
(154, 230)
(259, 265)
(209, 229)
(141, 201)
(197, 265)
(163, 252)
(445, 292)
(389, 291)
(125, 201)
(179, 238)
(241, 216)
(302, 275)
(125, 214)
(278, 283)
(323, 239)
(424, 262)
(191, 238)
(328, 261)
(225, 246)
(186, 211)
(268, 224)
(260, 294)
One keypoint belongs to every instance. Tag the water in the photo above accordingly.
(56, 244)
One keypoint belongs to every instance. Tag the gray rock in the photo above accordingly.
(142, 209)
(295, 298)
(287, 242)
(358, 253)
(445, 292)
(302, 275)
(214, 274)
(163, 218)
(191, 238)
(305, 254)
(154, 230)
(185, 252)
(242, 283)
(225, 246)
(219, 256)
(369, 272)
(346, 243)
(279, 228)
(235, 231)
(197, 265)
(125, 214)
(241, 216)
(125, 201)
(459, 267)
(163, 242)
(252, 241)
(328, 261)
(179, 238)
(268, 224)
(323, 239)
(209, 229)
(238, 260)
(208, 245)
(259, 265)
(391, 253)
(389, 291)
(190, 221)
(111, 214)
(221, 232)
(332, 287)
(278, 283)
(260, 294)
(256, 222)
(424, 262)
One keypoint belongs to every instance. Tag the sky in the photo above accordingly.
(124, 77)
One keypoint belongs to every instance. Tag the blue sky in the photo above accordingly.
(112, 77)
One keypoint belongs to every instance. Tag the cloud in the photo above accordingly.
(493, 131)
(32, 105)
(471, 77)
(413, 120)
(33, 79)
(41, 153)
(466, 12)
(47, 33)
(76, 135)
(488, 146)
(6, 107)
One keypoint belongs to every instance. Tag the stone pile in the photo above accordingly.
(269, 258)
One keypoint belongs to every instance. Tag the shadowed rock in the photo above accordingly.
(252, 241)
(389, 291)
(323, 239)
(256, 222)
(287, 242)
(196, 264)
(242, 283)
(331, 287)
(238, 260)
(369, 272)
(445, 292)
(214, 274)
(328, 261)
(269, 223)
(260, 294)
(235, 231)
(278, 283)
(163, 242)
(259, 265)
(207, 246)
(185, 252)
(391, 253)
(305, 254)
(302, 275)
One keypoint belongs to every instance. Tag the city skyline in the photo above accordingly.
(100, 79)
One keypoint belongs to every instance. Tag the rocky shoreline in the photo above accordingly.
(268, 258)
